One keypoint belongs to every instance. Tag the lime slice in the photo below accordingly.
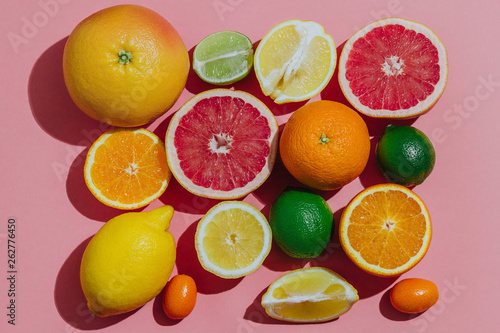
(223, 57)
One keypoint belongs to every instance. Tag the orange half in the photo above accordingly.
(127, 168)
(385, 230)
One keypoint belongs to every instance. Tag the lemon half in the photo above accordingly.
(233, 239)
(309, 295)
(295, 61)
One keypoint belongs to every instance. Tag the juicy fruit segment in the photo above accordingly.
(179, 298)
(233, 239)
(301, 222)
(129, 75)
(405, 155)
(295, 61)
(325, 145)
(309, 295)
(127, 168)
(222, 144)
(393, 68)
(128, 261)
(223, 57)
(385, 230)
(414, 295)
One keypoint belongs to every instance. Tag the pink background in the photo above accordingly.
(45, 139)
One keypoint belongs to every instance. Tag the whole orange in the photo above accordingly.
(325, 145)
(125, 65)
(414, 295)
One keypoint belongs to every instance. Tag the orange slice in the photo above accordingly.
(385, 230)
(127, 168)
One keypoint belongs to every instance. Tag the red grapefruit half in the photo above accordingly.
(222, 144)
(393, 68)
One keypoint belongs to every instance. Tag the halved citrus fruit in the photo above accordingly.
(223, 57)
(385, 230)
(127, 168)
(232, 239)
(309, 295)
(222, 144)
(393, 68)
(295, 61)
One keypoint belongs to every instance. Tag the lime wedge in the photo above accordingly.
(223, 57)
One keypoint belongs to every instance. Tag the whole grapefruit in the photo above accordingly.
(125, 65)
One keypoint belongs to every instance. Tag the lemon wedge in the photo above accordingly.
(309, 295)
(295, 61)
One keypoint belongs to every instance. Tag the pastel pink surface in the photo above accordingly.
(45, 139)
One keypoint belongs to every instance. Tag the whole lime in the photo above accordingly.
(301, 222)
(405, 155)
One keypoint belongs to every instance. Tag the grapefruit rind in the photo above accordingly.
(200, 233)
(357, 258)
(269, 302)
(313, 29)
(174, 162)
(423, 106)
(89, 161)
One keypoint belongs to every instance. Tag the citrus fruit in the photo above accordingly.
(126, 168)
(179, 297)
(309, 295)
(222, 144)
(128, 261)
(232, 239)
(393, 68)
(325, 145)
(125, 65)
(301, 222)
(414, 295)
(385, 230)
(405, 155)
(295, 61)
(223, 57)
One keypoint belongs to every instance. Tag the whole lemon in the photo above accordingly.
(128, 261)
(125, 65)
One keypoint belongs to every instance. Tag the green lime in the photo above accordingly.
(301, 222)
(223, 57)
(405, 155)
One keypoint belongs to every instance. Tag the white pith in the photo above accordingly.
(308, 30)
(390, 69)
(200, 233)
(174, 162)
(269, 302)
(242, 70)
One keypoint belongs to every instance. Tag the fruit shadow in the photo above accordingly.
(277, 181)
(334, 258)
(333, 92)
(249, 84)
(51, 105)
(256, 313)
(371, 175)
(69, 298)
(82, 199)
(187, 263)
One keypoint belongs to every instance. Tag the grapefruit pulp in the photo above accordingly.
(222, 144)
(393, 68)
